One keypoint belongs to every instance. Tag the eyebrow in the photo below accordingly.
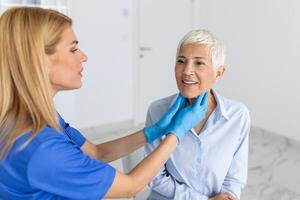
(193, 58)
(199, 58)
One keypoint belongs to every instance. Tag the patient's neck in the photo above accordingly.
(211, 105)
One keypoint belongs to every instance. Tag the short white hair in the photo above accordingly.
(215, 47)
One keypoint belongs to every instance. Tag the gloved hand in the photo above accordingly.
(188, 117)
(158, 129)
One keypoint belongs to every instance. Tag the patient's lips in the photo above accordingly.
(189, 87)
(80, 72)
(189, 82)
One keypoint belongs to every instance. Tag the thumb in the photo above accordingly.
(204, 100)
(199, 100)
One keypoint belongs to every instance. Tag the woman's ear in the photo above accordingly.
(219, 73)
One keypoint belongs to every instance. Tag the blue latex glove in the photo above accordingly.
(158, 129)
(189, 117)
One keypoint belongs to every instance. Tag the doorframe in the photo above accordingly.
(136, 53)
(135, 61)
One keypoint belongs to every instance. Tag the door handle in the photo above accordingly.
(145, 48)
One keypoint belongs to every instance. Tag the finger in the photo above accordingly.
(204, 99)
(229, 196)
(183, 101)
(199, 100)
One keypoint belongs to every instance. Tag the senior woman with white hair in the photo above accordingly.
(211, 161)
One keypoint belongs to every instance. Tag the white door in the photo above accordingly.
(161, 24)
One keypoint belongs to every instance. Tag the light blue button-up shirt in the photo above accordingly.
(204, 165)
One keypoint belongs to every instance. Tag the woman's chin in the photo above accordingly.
(190, 95)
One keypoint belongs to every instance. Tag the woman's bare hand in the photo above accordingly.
(223, 196)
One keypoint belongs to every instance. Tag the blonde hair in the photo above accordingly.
(27, 36)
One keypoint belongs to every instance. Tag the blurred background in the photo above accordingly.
(131, 45)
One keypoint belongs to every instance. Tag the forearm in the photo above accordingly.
(115, 149)
(146, 170)
(233, 188)
(127, 185)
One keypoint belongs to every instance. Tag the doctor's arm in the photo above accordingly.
(115, 149)
(118, 148)
(129, 184)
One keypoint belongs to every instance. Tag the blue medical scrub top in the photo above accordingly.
(52, 166)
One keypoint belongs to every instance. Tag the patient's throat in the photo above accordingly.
(211, 105)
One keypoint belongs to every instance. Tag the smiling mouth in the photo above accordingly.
(189, 83)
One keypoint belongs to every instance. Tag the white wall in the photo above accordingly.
(104, 30)
(160, 34)
(262, 40)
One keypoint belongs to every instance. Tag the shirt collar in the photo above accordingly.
(220, 105)
(62, 122)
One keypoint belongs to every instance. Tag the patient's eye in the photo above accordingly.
(73, 50)
(199, 63)
(180, 61)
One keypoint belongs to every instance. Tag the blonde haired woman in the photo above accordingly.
(42, 157)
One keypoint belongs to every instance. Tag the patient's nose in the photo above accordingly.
(189, 69)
